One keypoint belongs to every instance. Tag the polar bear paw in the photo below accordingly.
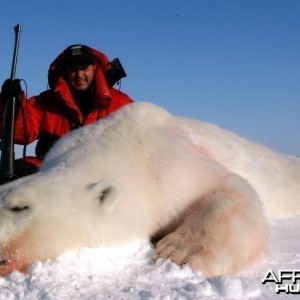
(203, 253)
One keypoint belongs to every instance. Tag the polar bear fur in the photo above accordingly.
(199, 192)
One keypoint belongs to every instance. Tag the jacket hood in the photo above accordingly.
(58, 84)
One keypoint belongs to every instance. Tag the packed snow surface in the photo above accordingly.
(133, 272)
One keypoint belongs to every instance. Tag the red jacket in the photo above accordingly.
(54, 113)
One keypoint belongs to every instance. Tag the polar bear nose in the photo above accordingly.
(3, 261)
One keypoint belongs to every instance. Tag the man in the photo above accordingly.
(81, 92)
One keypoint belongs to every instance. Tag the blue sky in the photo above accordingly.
(234, 63)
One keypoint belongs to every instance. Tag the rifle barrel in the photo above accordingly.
(7, 161)
(17, 30)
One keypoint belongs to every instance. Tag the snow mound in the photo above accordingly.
(133, 272)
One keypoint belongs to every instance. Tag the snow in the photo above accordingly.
(134, 272)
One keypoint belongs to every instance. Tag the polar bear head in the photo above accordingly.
(40, 219)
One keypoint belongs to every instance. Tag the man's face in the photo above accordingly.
(80, 77)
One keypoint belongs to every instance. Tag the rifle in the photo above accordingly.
(7, 162)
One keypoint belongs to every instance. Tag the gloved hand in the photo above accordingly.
(10, 89)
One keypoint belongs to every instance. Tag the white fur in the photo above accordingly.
(143, 173)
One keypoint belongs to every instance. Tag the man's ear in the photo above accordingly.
(107, 192)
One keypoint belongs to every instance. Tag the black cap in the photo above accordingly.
(78, 54)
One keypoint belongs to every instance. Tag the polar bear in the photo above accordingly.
(200, 193)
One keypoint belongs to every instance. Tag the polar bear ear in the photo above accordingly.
(107, 192)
